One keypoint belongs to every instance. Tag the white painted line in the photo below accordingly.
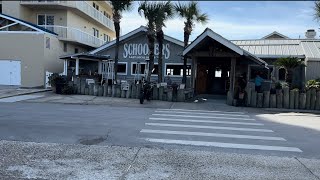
(206, 121)
(206, 117)
(225, 145)
(208, 127)
(213, 114)
(19, 98)
(238, 136)
(200, 111)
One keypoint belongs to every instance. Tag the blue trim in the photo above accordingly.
(31, 24)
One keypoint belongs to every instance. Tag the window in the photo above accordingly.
(122, 68)
(217, 73)
(265, 73)
(106, 37)
(177, 69)
(282, 74)
(106, 14)
(76, 50)
(134, 69)
(0, 8)
(65, 48)
(95, 6)
(95, 32)
(44, 19)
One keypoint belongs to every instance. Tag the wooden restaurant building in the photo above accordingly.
(214, 62)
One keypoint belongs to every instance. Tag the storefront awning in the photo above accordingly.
(209, 33)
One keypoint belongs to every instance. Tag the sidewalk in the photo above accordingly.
(21, 160)
(8, 91)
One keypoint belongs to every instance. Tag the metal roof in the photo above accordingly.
(272, 48)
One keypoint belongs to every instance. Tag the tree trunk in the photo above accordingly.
(116, 56)
(160, 38)
(151, 40)
(186, 40)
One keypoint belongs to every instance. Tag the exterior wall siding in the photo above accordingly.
(312, 70)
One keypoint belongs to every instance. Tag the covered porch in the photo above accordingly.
(85, 65)
(217, 64)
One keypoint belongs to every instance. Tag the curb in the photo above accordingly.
(293, 110)
(44, 90)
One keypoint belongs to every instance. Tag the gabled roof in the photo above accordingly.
(275, 33)
(132, 33)
(209, 33)
(28, 24)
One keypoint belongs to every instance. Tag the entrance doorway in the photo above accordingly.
(213, 76)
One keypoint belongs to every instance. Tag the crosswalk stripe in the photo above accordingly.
(199, 111)
(225, 145)
(208, 127)
(206, 121)
(212, 134)
(214, 114)
(207, 117)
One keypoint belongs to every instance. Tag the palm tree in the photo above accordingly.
(118, 7)
(149, 11)
(164, 12)
(289, 64)
(190, 13)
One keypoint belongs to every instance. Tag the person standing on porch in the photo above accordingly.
(258, 82)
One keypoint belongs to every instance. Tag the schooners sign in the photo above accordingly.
(141, 51)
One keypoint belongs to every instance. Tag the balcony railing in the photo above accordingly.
(75, 35)
(83, 6)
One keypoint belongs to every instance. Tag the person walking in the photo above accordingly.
(258, 82)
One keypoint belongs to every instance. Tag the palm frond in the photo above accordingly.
(288, 62)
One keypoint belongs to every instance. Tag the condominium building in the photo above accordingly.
(79, 26)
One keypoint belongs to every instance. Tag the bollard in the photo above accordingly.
(118, 90)
(113, 90)
(273, 100)
(249, 90)
(138, 91)
(123, 94)
(266, 99)
(133, 91)
(86, 91)
(286, 97)
(82, 86)
(302, 101)
(181, 96)
(155, 94)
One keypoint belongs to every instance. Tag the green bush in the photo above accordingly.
(313, 83)
(54, 78)
(67, 89)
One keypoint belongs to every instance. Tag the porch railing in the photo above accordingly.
(83, 6)
(75, 35)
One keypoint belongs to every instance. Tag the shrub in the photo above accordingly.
(67, 89)
(54, 78)
(278, 85)
(313, 83)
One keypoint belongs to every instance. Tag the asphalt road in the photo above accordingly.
(220, 131)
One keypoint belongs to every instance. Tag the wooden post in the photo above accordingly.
(109, 90)
(296, 99)
(260, 100)
(253, 102)
(82, 86)
(266, 99)
(123, 94)
(229, 98)
(169, 95)
(105, 89)
(86, 91)
(308, 99)
(138, 91)
(313, 98)
(273, 100)
(181, 96)
(91, 89)
(279, 100)
(318, 101)
(302, 101)
(291, 104)
(118, 90)
(95, 89)
(232, 76)
(134, 91)
(249, 90)
(155, 95)
(100, 90)
(286, 97)
(161, 89)
(128, 92)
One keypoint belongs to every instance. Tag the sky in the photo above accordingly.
(237, 20)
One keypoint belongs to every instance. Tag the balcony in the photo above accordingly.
(75, 35)
(82, 6)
